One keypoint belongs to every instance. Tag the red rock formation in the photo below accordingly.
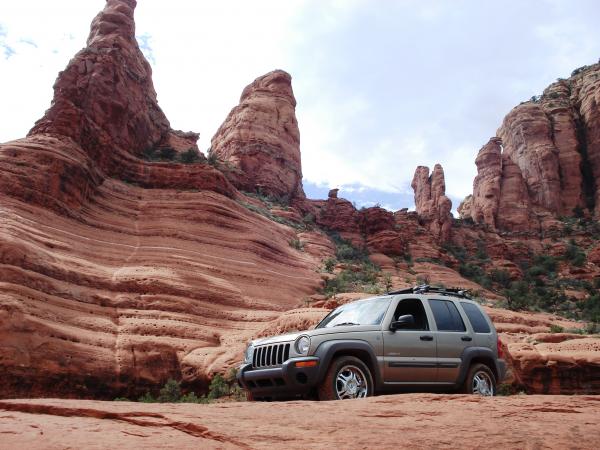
(514, 204)
(431, 202)
(105, 100)
(118, 273)
(526, 134)
(379, 227)
(556, 105)
(486, 187)
(585, 87)
(550, 163)
(260, 138)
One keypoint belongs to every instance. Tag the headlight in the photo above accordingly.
(302, 345)
(248, 354)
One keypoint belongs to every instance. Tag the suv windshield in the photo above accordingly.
(367, 312)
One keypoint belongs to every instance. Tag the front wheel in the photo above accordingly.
(480, 381)
(347, 377)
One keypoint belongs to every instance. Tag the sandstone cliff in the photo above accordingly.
(116, 272)
(545, 161)
(261, 140)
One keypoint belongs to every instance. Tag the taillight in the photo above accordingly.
(500, 351)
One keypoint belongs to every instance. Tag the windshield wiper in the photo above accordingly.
(345, 323)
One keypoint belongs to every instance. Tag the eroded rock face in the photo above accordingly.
(261, 140)
(105, 100)
(549, 163)
(526, 134)
(486, 187)
(118, 273)
(431, 202)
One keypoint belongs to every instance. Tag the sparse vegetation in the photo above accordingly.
(169, 154)
(171, 392)
(329, 264)
(190, 156)
(359, 278)
(297, 244)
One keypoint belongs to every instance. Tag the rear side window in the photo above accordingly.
(446, 316)
(480, 325)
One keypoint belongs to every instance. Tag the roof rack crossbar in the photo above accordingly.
(424, 288)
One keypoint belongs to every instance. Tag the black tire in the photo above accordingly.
(480, 381)
(346, 367)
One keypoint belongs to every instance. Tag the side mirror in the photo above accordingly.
(402, 322)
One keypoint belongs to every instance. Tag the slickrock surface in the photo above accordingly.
(261, 140)
(431, 201)
(421, 421)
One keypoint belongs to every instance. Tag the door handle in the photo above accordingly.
(427, 338)
(466, 338)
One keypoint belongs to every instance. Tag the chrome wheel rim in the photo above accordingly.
(482, 384)
(351, 383)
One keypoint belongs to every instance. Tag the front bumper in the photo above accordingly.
(282, 381)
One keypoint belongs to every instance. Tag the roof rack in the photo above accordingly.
(425, 289)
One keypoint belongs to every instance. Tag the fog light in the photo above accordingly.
(312, 363)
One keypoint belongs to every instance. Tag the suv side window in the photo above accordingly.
(476, 318)
(414, 307)
(446, 316)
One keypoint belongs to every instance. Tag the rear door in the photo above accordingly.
(452, 338)
(410, 353)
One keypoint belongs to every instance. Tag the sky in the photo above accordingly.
(382, 86)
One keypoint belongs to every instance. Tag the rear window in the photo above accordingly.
(447, 317)
(480, 325)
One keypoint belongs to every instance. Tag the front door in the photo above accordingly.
(410, 353)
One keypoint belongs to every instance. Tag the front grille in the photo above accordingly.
(270, 355)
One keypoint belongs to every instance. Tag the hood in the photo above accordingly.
(315, 332)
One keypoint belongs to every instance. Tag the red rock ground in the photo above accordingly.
(415, 421)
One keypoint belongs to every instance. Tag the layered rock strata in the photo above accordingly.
(261, 141)
(545, 161)
(118, 273)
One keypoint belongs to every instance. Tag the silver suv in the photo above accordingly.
(415, 339)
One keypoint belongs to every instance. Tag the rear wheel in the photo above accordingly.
(480, 381)
(347, 377)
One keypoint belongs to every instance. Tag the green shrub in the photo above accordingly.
(574, 254)
(218, 387)
(329, 265)
(297, 244)
(556, 329)
(147, 398)
(547, 262)
(387, 281)
(502, 277)
(505, 389)
(170, 393)
(362, 278)
(190, 156)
